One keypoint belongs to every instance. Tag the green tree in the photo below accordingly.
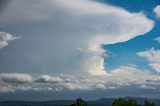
(79, 102)
(125, 102)
(130, 102)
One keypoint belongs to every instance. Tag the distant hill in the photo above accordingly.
(99, 102)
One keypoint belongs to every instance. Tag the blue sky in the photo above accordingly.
(134, 45)
(79, 48)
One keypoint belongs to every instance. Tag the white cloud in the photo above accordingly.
(101, 86)
(130, 75)
(5, 38)
(147, 87)
(157, 39)
(77, 86)
(157, 11)
(12, 82)
(155, 66)
(6, 88)
(120, 77)
(153, 56)
(50, 79)
(15, 78)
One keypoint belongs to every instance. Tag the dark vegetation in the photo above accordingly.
(128, 101)
(79, 102)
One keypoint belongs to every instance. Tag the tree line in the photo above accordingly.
(116, 102)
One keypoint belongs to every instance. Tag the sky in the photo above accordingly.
(65, 49)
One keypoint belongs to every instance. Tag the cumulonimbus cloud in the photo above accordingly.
(84, 24)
